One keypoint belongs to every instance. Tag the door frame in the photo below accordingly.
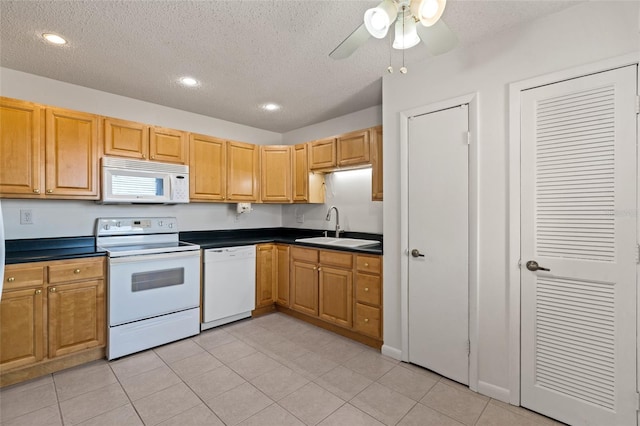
(472, 100)
(514, 229)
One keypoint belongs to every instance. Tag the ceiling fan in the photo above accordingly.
(415, 20)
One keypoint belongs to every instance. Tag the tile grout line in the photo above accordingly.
(135, 409)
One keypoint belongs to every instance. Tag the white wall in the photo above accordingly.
(584, 33)
(73, 218)
(349, 191)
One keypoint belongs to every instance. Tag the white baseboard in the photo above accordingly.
(493, 391)
(392, 352)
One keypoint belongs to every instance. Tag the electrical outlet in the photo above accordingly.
(300, 217)
(26, 217)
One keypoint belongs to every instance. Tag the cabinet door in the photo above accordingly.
(76, 317)
(243, 161)
(282, 275)
(126, 139)
(354, 148)
(207, 168)
(304, 287)
(275, 184)
(322, 154)
(21, 148)
(71, 154)
(21, 328)
(265, 275)
(300, 172)
(168, 145)
(376, 163)
(336, 295)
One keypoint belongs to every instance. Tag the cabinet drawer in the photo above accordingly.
(309, 255)
(343, 260)
(76, 271)
(368, 289)
(369, 263)
(367, 320)
(19, 276)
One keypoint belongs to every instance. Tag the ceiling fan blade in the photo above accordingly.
(351, 43)
(438, 38)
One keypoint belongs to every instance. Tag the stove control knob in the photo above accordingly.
(107, 227)
(117, 224)
(160, 223)
(170, 225)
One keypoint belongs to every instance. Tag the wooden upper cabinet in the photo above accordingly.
(322, 154)
(353, 149)
(71, 166)
(168, 145)
(300, 170)
(207, 168)
(376, 163)
(275, 182)
(243, 168)
(21, 148)
(126, 139)
(136, 140)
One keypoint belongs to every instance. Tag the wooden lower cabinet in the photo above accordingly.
(282, 275)
(76, 317)
(336, 300)
(368, 306)
(304, 287)
(21, 328)
(52, 316)
(265, 275)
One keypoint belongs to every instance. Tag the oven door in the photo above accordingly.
(146, 286)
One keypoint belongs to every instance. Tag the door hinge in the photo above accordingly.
(637, 401)
(520, 263)
(637, 104)
(468, 138)
(468, 347)
(637, 254)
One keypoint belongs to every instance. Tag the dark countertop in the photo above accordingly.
(243, 237)
(47, 249)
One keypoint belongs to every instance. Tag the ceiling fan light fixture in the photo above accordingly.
(377, 20)
(428, 11)
(54, 38)
(406, 35)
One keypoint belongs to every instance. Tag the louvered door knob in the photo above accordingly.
(532, 265)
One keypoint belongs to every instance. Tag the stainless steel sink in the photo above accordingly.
(339, 242)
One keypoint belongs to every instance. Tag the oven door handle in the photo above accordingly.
(151, 257)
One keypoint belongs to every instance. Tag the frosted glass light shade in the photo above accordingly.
(377, 20)
(408, 38)
(428, 11)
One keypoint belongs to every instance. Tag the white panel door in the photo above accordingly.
(439, 230)
(578, 325)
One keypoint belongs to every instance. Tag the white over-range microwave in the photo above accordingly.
(137, 181)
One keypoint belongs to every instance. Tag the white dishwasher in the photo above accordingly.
(229, 292)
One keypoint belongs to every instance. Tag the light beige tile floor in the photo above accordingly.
(272, 370)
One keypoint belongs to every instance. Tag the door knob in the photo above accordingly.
(416, 253)
(532, 265)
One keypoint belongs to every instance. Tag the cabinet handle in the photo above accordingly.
(152, 157)
(36, 191)
(366, 264)
(38, 291)
(11, 279)
(366, 289)
(144, 157)
(76, 271)
(52, 290)
(314, 268)
(319, 269)
(49, 191)
(366, 320)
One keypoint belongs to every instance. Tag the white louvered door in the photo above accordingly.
(578, 204)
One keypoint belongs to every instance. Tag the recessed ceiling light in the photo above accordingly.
(189, 81)
(54, 38)
(271, 107)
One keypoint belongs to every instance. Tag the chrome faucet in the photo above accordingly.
(328, 218)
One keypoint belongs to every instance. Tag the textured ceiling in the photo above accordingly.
(245, 53)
